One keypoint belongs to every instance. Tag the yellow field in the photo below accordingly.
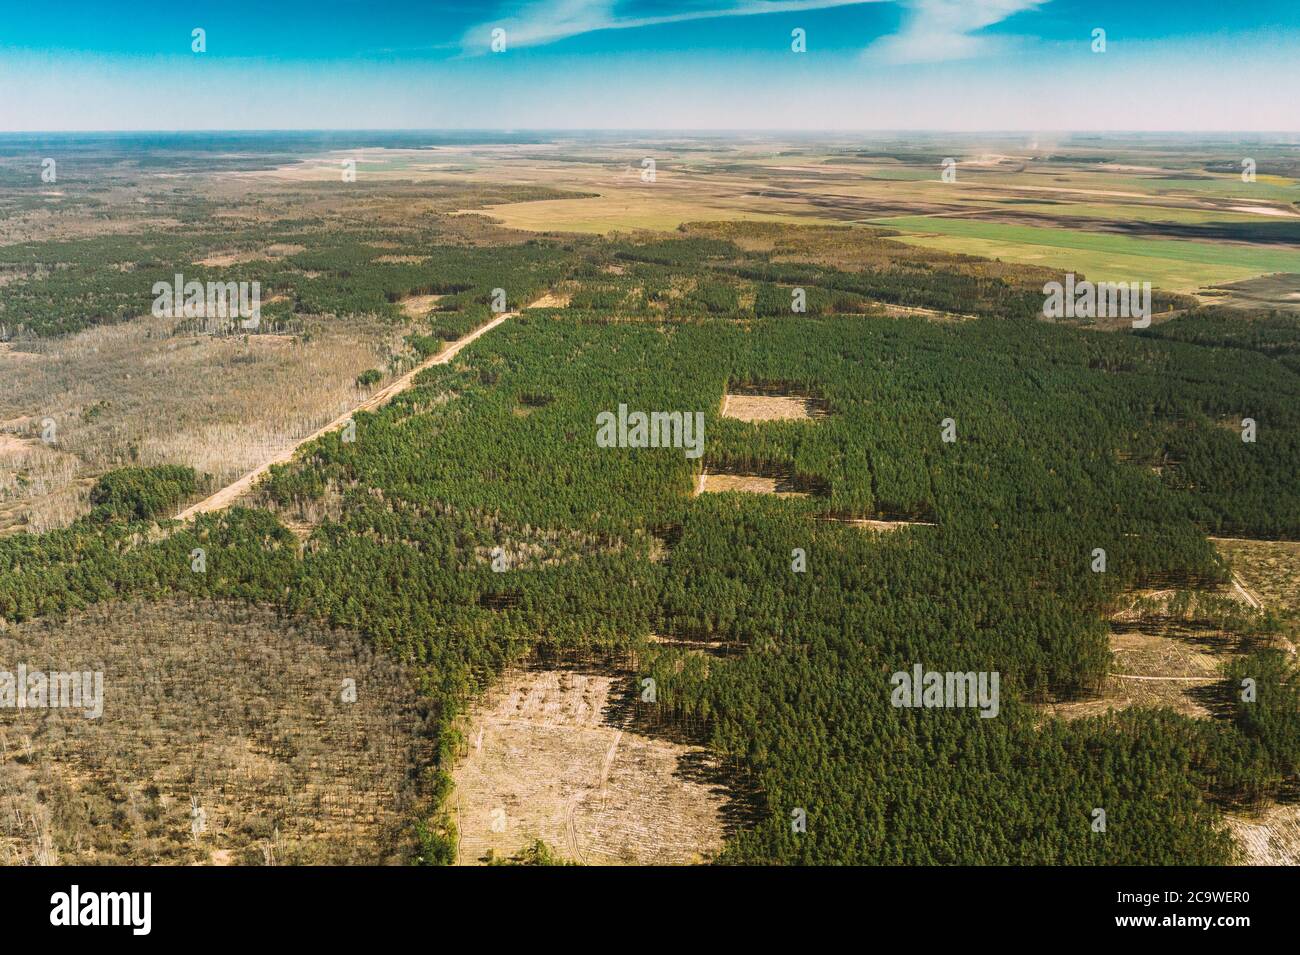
(621, 212)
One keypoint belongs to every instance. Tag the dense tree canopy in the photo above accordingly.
(1066, 441)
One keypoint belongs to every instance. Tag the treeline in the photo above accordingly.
(70, 285)
(140, 494)
(1275, 334)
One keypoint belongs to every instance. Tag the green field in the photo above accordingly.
(1129, 212)
(1263, 189)
(1168, 263)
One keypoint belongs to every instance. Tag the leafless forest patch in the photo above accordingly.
(217, 717)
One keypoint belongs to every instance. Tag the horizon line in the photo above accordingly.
(718, 130)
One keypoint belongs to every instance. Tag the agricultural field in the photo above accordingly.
(1170, 264)
(585, 641)
(1134, 212)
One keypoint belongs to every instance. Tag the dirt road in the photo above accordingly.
(232, 492)
(1239, 584)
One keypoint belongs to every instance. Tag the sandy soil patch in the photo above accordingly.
(1266, 211)
(13, 444)
(908, 311)
(552, 300)
(872, 524)
(417, 306)
(224, 259)
(269, 340)
(712, 648)
(548, 758)
(769, 408)
(748, 483)
(221, 259)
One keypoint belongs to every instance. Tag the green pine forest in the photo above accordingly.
(1057, 428)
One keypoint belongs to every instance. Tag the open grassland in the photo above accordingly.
(1172, 274)
(1279, 292)
(1240, 256)
(1065, 212)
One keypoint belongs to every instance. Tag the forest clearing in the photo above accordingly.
(548, 757)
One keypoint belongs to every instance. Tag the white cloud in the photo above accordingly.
(546, 21)
(934, 30)
(937, 30)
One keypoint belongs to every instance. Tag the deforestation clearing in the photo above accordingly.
(549, 758)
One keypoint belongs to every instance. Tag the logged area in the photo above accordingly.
(550, 756)
(758, 512)
(225, 736)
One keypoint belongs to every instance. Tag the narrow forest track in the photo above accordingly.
(1250, 596)
(602, 788)
(601, 791)
(235, 490)
(1166, 679)
(571, 828)
(1238, 582)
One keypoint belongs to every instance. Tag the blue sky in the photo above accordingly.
(692, 64)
